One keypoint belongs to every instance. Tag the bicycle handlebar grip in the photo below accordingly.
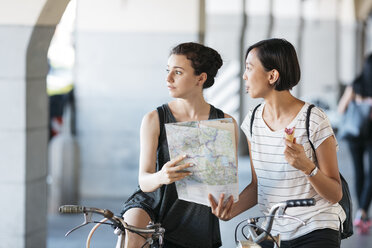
(301, 202)
(71, 209)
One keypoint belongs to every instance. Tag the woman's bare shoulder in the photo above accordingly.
(150, 120)
(229, 116)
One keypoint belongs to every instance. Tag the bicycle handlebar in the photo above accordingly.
(119, 222)
(301, 202)
(71, 209)
(281, 206)
(75, 209)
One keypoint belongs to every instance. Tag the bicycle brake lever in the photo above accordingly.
(160, 240)
(281, 210)
(87, 220)
(153, 225)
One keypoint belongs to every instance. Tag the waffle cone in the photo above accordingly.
(289, 133)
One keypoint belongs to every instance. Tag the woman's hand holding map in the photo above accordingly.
(172, 172)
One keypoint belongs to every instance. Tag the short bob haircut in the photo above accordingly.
(279, 54)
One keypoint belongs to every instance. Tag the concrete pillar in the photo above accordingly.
(26, 28)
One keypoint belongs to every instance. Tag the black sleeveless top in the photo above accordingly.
(186, 224)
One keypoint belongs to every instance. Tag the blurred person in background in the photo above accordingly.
(360, 91)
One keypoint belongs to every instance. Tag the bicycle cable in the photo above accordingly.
(100, 222)
(94, 229)
(236, 230)
(256, 220)
(253, 225)
(103, 221)
(145, 244)
(243, 232)
(264, 230)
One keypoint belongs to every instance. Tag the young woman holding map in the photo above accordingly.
(283, 169)
(191, 68)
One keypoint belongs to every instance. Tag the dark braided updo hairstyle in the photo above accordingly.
(203, 59)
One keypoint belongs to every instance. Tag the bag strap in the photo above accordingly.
(345, 202)
(308, 125)
(252, 116)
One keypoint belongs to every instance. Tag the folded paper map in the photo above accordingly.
(210, 145)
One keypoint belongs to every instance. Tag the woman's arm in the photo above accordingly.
(247, 199)
(149, 179)
(327, 181)
(345, 99)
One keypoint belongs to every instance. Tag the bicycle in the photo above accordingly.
(155, 231)
(256, 234)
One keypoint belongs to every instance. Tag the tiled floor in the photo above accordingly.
(104, 237)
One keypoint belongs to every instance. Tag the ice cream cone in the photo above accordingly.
(289, 133)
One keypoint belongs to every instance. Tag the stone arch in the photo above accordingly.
(24, 129)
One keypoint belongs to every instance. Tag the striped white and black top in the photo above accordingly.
(279, 181)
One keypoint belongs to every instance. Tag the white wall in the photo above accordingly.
(121, 57)
(139, 16)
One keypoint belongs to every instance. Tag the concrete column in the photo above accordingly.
(24, 41)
